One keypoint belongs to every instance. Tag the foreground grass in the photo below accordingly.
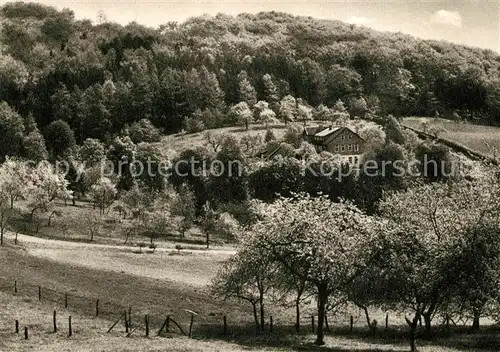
(89, 334)
(485, 139)
(159, 297)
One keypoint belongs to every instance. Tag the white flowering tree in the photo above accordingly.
(4, 212)
(247, 276)
(15, 180)
(288, 109)
(47, 185)
(324, 244)
(242, 114)
(433, 228)
(103, 194)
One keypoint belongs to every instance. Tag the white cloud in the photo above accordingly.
(450, 18)
(362, 21)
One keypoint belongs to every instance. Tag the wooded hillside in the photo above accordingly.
(99, 78)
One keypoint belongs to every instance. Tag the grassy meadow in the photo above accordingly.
(167, 282)
(485, 139)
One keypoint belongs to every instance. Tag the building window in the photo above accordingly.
(342, 137)
(337, 148)
(350, 160)
(356, 147)
(349, 137)
(349, 147)
(356, 159)
(342, 148)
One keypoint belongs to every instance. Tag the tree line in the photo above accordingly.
(212, 71)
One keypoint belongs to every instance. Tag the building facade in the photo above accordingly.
(337, 140)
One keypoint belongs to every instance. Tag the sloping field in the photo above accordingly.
(78, 270)
(179, 142)
(485, 139)
(89, 333)
(116, 290)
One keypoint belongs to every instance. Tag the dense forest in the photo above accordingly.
(101, 78)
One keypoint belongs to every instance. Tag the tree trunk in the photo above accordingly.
(1, 236)
(413, 342)
(208, 239)
(11, 202)
(413, 331)
(475, 321)
(322, 298)
(49, 223)
(371, 326)
(428, 325)
(246, 125)
(255, 317)
(32, 213)
(297, 315)
(262, 321)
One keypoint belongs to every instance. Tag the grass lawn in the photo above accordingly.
(177, 142)
(485, 139)
(89, 334)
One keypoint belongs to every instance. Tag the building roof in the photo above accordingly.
(312, 130)
(327, 131)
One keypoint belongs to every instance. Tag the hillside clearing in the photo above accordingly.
(485, 139)
(192, 267)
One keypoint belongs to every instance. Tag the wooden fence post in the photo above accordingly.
(54, 320)
(130, 317)
(165, 324)
(39, 293)
(25, 333)
(146, 322)
(387, 321)
(126, 321)
(225, 325)
(65, 300)
(271, 324)
(15, 240)
(312, 324)
(70, 332)
(97, 308)
(15, 286)
(191, 326)
(116, 322)
(351, 323)
(17, 326)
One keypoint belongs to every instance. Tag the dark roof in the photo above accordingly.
(312, 130)
(268, 152)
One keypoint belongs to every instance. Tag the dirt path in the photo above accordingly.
(26, 239)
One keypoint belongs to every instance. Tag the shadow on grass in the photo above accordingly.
(361, 339)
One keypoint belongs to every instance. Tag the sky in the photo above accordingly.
(469, 22)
